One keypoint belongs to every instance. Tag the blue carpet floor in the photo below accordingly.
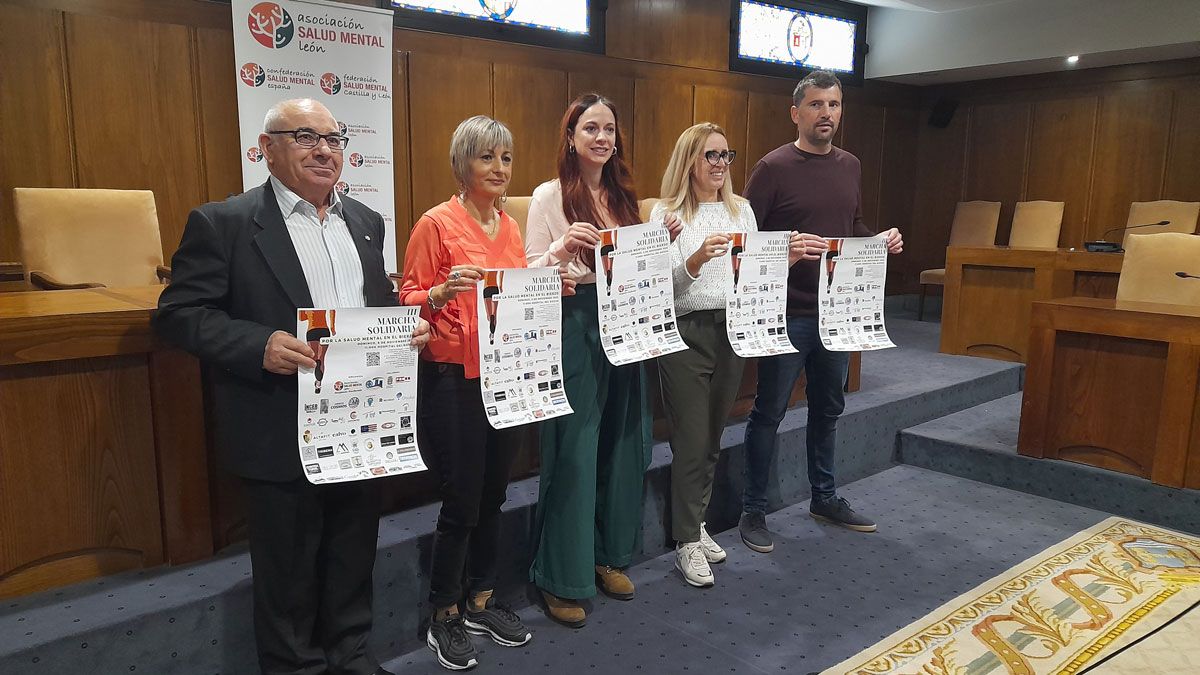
(824, 593)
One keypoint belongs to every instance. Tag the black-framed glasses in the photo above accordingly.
(726, 156)
(307, 138)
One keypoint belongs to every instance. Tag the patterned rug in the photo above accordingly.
(1112, 588)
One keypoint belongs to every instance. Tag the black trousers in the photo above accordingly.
(472, 461)
(312, 550)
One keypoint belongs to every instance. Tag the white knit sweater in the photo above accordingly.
(706, 291)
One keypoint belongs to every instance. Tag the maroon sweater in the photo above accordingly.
(790, 189)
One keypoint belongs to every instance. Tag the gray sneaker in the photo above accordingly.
(838, 512)
(755, 535)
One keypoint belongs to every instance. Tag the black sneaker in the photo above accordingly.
(498, 622)
(753, 528)
(449, 640)
(838, 512)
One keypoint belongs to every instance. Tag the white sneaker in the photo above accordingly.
(712, 550)
(691, 563)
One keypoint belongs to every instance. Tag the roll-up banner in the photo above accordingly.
(340, 55)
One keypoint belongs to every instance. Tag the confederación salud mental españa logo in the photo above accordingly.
(253, 74)
(271, 25)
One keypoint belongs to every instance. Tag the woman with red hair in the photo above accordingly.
(592, 462)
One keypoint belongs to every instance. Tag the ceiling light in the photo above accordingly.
(1072, 60)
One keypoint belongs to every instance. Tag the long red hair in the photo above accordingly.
(615, 179)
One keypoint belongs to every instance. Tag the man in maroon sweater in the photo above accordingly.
(811, 187)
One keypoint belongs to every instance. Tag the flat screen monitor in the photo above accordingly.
(789, 38)
(570, 24)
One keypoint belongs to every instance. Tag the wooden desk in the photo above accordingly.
(104, 463)
(1114, 384)
(989, 292)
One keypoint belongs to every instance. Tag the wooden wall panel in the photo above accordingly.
(136, 122)
(681, 32)
(401, 155)
(1183, 159)
(35, 130)
(898, 179)
(897, 186)
(617, 88)
(728, 109)
(1099, 139)
(533, 113)
(862, 134)
(451, 91)
(769, 126)
(661, 111)
(940, 164)
(1130, 158)
(181, 12)
(996, 151)
(107, 442)
(219, 127)
(1060, 160)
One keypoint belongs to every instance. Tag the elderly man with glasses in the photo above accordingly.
(243, 268)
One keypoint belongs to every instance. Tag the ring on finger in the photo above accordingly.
(455, 275)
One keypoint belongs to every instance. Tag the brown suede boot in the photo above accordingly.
(614, 583)
(565, 611)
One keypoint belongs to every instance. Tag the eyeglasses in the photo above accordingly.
(307, 138)
(714, 157)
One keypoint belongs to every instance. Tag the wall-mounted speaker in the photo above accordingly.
(942, 112)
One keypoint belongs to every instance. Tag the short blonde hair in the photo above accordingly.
(677, 194)
(472, 137)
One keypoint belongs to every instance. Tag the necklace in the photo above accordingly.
(488, 228)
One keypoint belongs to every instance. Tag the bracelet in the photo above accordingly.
(429, 300)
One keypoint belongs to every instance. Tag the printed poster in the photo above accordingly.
(756, 300)
(635, 294)
(357, 408)
(850, 295)
(338, 54)
(520, 346)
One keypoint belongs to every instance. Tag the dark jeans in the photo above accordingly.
(312, 551)
(472, 461)
(826, 377)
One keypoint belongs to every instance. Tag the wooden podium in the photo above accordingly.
(990, 291)
(104, 465)
(1114, 384)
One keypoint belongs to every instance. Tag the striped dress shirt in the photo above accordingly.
(326, 250)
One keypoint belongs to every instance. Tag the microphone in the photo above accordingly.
(1102, 246)
(1185, 275)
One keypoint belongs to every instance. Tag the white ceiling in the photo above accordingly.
(940, 41)
(1049, 65)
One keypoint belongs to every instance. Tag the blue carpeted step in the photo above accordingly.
(980, 443)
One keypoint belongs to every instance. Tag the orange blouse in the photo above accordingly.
(444, 237)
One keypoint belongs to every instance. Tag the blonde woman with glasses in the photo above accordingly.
(699, 385)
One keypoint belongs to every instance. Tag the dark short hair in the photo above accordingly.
(821, 79)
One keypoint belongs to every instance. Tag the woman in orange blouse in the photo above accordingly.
(448, 252)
